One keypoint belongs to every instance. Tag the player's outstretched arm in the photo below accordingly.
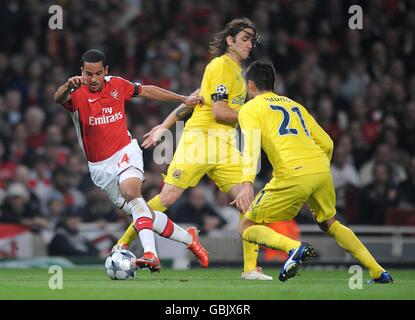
(157, 93)
(62, 94)
(153, 136)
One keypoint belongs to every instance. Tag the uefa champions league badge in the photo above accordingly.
(221, 89)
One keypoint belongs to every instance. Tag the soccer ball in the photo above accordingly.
(120, 265)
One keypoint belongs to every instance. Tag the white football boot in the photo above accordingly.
(256, 274)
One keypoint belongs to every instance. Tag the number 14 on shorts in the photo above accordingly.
(124, 162)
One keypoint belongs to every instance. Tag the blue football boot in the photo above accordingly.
(295, 258)
(385, 277)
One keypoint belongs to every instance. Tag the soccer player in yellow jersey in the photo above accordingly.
(208, 144)
(300, 152)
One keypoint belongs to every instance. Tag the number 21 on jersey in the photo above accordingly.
(284, 130)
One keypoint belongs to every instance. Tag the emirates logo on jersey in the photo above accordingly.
(114, 94)
(105, 119)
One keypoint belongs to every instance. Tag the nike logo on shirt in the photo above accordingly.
(92, 100)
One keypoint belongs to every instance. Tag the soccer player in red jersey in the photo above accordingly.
(96, 103)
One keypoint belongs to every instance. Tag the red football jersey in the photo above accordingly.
(99, 117)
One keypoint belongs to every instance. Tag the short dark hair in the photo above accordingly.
(262, 73)
(218, 46)
(94, 55)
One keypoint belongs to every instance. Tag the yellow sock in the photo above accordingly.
(155, 204)
(250, 252)
(130, 234)
(348, 241)
(266, 236)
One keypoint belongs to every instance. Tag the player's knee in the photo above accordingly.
(241, 230)
(243, 225)
(131, 194)
(325, 225)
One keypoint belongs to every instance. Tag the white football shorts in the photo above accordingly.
(109, 173)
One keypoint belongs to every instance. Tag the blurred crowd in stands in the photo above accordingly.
(359, 84)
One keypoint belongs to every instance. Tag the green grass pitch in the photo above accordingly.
(197, 284)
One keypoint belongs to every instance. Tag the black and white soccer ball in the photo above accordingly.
(120, 265)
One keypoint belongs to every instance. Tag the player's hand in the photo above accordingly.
(244, 198)
(153, 136)
(76, 82)
(193, 101)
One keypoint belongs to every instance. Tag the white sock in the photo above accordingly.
(165, 227)
(147, 240)
(143, 221)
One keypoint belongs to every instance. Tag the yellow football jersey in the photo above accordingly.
(222, 76)
(293, 141)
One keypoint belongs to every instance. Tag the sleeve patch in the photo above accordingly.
(221, 93)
